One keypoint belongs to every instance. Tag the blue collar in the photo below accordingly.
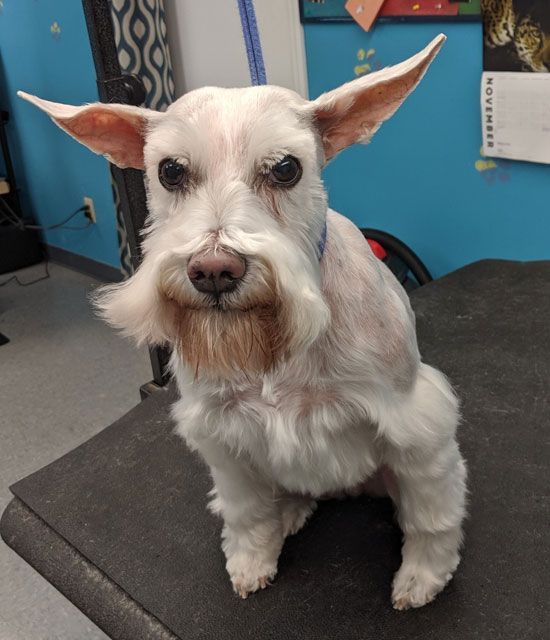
(322, 241)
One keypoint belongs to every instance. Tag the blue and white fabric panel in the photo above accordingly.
(142, 45)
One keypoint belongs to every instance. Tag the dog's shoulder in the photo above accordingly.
(369, 308)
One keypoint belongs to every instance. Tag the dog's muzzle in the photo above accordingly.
(216, 272)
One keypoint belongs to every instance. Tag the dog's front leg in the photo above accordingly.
(429, 494)
(429, 488)
(252, 535)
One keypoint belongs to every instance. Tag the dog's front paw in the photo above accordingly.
(415, 587)
(249, 573)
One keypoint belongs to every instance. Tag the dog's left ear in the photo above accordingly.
(354, 111)
(116, 131)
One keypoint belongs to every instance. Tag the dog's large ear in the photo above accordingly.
(354, 111)
(116, 131)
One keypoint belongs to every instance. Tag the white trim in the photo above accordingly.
(207, 47)
(282, 37)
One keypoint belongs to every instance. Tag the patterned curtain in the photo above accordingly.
(140, 34)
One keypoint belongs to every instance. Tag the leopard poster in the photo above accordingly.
(516, 35)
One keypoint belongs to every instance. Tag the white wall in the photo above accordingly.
(207, 45)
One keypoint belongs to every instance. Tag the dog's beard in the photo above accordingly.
(243, 333)
(269, 318)
(221, 343)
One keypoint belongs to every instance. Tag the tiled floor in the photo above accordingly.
(64, 376)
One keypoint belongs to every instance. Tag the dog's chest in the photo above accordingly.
(307, 439)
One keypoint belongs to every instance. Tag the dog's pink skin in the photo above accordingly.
(338, 392)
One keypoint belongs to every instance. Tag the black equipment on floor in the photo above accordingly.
(401, 259)
(19, 247)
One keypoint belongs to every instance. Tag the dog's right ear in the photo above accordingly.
(116, 131)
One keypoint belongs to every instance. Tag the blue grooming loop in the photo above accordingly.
(252, 42)
(257, 68)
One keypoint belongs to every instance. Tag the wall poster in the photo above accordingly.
(515, 86)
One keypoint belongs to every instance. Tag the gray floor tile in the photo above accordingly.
(8, 632)
(64, 376)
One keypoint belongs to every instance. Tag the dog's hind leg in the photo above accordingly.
(295, 511)
(252, 535)
(429, 491)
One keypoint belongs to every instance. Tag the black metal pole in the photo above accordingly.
(114, 86)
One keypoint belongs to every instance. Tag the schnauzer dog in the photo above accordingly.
(293, 347)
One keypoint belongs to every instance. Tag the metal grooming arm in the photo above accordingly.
(114, 86)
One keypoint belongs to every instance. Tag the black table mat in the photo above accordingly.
(132, 500)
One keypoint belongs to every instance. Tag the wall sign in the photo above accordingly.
(334, 10)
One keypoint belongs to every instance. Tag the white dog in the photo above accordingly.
(293, 347)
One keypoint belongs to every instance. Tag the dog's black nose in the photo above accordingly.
(216, 272)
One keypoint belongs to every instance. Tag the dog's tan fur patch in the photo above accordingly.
(220, 343)
(247, 336)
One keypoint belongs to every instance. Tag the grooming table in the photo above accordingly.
(120, 526)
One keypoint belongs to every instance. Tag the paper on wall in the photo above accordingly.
(364, 12)
(515, 114)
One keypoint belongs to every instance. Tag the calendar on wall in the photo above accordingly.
(515, 85)
(515, 108)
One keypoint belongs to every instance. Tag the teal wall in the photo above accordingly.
(422, 177)
(54, 171)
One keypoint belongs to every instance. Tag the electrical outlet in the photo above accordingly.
(89, 212)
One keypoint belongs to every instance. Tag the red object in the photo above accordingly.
(419, 8)
(377, 249)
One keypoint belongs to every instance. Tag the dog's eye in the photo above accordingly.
(172, 174)
(286, 172)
